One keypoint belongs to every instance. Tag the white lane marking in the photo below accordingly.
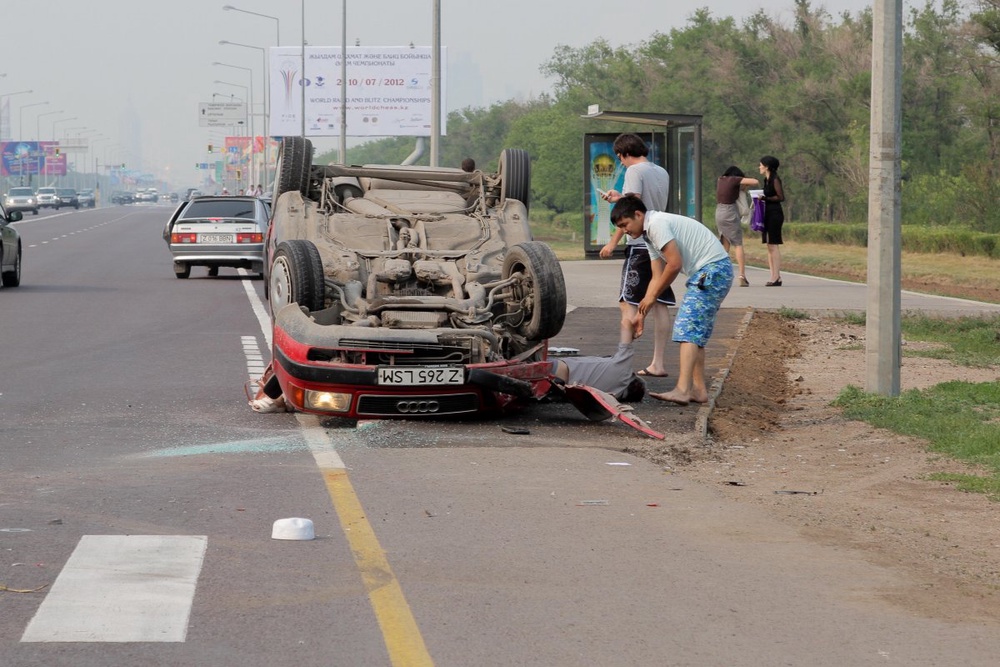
(258, 308)
(122, 588)
(319, 443)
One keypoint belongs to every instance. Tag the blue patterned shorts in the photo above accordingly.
(705, 291)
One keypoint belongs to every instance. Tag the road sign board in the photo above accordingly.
(215, 114)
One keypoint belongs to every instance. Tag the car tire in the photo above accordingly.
(34, 211)
(515, 175)
(541, 292)
(296, 276)
(292, 170)
(213, 271)
(182, 270)
(12, 278)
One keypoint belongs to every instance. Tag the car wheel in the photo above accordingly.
(292, 170)
(182, 270)
(540, 295)
(213, 271)
(12, 278)
(34, 211)
(515, 175)
(296, 276)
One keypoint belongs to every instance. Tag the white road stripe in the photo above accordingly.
(122, 588)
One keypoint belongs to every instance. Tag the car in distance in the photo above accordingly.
(217, 232)
(403, 291)
(21, 199)
(67, 197)
(47, 197)
(10, 249)
(87, 198)
(122, 197)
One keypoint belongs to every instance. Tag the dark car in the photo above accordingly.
(216, 232)
(121, 197)
(67, 197)
(10, 249)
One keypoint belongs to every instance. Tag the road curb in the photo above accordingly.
(705, 411)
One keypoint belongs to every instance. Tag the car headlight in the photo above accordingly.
(327, 400)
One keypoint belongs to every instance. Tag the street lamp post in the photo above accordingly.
(249, 72)
(249, 107)
(2, 96)
(38, 138)
(267, 99)
(277, 23)
(20, 130)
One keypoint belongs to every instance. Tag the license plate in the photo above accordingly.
(217, 238)
(420, 376)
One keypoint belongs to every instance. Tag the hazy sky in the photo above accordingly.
(100, 62)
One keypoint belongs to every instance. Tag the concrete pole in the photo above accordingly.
(436, 86)
(883, 351)
(342, 148)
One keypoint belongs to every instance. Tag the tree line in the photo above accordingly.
(801, 92)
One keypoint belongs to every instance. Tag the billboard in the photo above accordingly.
(21, 158)
(388, 91)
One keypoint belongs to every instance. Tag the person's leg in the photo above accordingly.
(741, 265)
(774, 261)
(686, 389)
(661, 336)
(626, 328)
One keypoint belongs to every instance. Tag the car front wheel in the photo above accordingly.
(296, 276)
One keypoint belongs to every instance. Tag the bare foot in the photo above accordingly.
(679, 397)
(674, 396)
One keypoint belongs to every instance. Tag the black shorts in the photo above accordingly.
(637, 273)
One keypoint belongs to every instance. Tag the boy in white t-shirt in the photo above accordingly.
(678, 244)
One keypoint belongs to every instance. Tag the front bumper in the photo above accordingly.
(487, 387)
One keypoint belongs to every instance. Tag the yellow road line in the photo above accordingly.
(400, 633)
(399, 629)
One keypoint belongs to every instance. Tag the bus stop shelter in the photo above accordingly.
(674, 142)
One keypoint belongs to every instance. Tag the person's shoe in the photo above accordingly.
(744, 282)
(268, 404)
(776, 283)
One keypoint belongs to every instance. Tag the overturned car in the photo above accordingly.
(401, 291)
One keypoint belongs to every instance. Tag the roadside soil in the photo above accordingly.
(777, 443)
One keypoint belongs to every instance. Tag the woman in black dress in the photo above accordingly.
(774, 216)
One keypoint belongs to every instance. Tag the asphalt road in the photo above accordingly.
(137, 494)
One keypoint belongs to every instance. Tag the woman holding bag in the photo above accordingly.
(774, 216)
(728, 221)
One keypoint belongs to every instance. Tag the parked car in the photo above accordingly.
(87, 198)
(402, 291)
(10, 248)
(67, 197)
(21, 199)
(217, 232)
(47, 197)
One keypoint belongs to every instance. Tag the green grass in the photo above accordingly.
(959, 419)
(792, 313)
(967, 341)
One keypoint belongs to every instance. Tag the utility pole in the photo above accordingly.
(883, 330)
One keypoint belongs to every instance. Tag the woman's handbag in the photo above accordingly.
(757, 215)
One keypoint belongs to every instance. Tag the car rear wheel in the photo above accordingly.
(540, 294)
(182, 270)
(292, 170)
(296, 276)
(515, 175)
(12, 278)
